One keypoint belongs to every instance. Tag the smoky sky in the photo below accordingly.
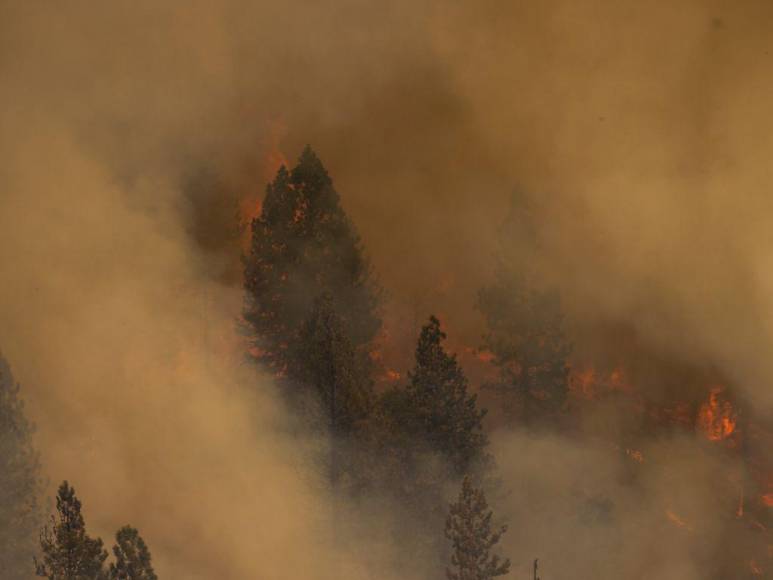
(131, 131)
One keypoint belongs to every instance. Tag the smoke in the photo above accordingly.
(131, 132)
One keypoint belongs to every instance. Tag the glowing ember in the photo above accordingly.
(636, 455)
(679, 522)
(716, 418)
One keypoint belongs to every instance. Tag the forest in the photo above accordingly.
(400, 290)
(312, 322)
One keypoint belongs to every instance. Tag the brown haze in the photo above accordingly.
(641, 131)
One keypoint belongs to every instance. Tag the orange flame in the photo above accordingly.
(250, 205)
(635, 454)
(679, 522)
(716, 418)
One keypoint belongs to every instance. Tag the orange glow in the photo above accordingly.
(250, 205)
(635, 454)
(583, 382)
(716, 418)
(679, 522)
(767, 500)
(392, 375)
(588, 383)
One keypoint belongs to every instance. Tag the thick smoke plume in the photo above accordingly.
(131, 132)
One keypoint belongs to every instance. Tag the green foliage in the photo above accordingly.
(304, 246)
(525, 326)
(20, 482)
(438, 408)
(68, 551)
(132, 557)
(469, 529)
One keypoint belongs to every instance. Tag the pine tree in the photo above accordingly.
(325, 358)
(132, 557)
(525, 325)
(441, 410)
(303, 246)
(68, 551)
(468, 528)
(20, 482)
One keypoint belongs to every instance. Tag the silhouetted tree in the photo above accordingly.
(468, 528)
(303, 246)
(324, 357)
(68, 551)
(525, 325)
(20, 482)
(439, 407)
(132, 557)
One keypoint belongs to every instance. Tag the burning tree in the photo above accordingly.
(20, 483)
(469, 530)
(525, 324)
(303, 246)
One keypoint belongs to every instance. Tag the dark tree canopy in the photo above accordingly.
(303, 246)
(439, 407)
(132, 557)
(324, 358)
(525, 325)
(20, 482)
(69, 553)
(469, 529)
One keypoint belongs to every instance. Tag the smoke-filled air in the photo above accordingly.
(403, 290)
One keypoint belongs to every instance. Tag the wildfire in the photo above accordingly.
(716, 418)
(588, 383)
(250, 205)
(635, 454)
(392, 375)
(679, 522)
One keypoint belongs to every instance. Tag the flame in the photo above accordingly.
(588, 383)
(755, 568)
(635, 454)
(679, 522)
(392, 375)
(716, 418)
(767, 500)
(250, 205)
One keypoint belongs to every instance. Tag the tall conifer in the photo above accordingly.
(20, 482)
(442, 410)
(525, 326)
(304, 246)
(69, 553)
(469, 529)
